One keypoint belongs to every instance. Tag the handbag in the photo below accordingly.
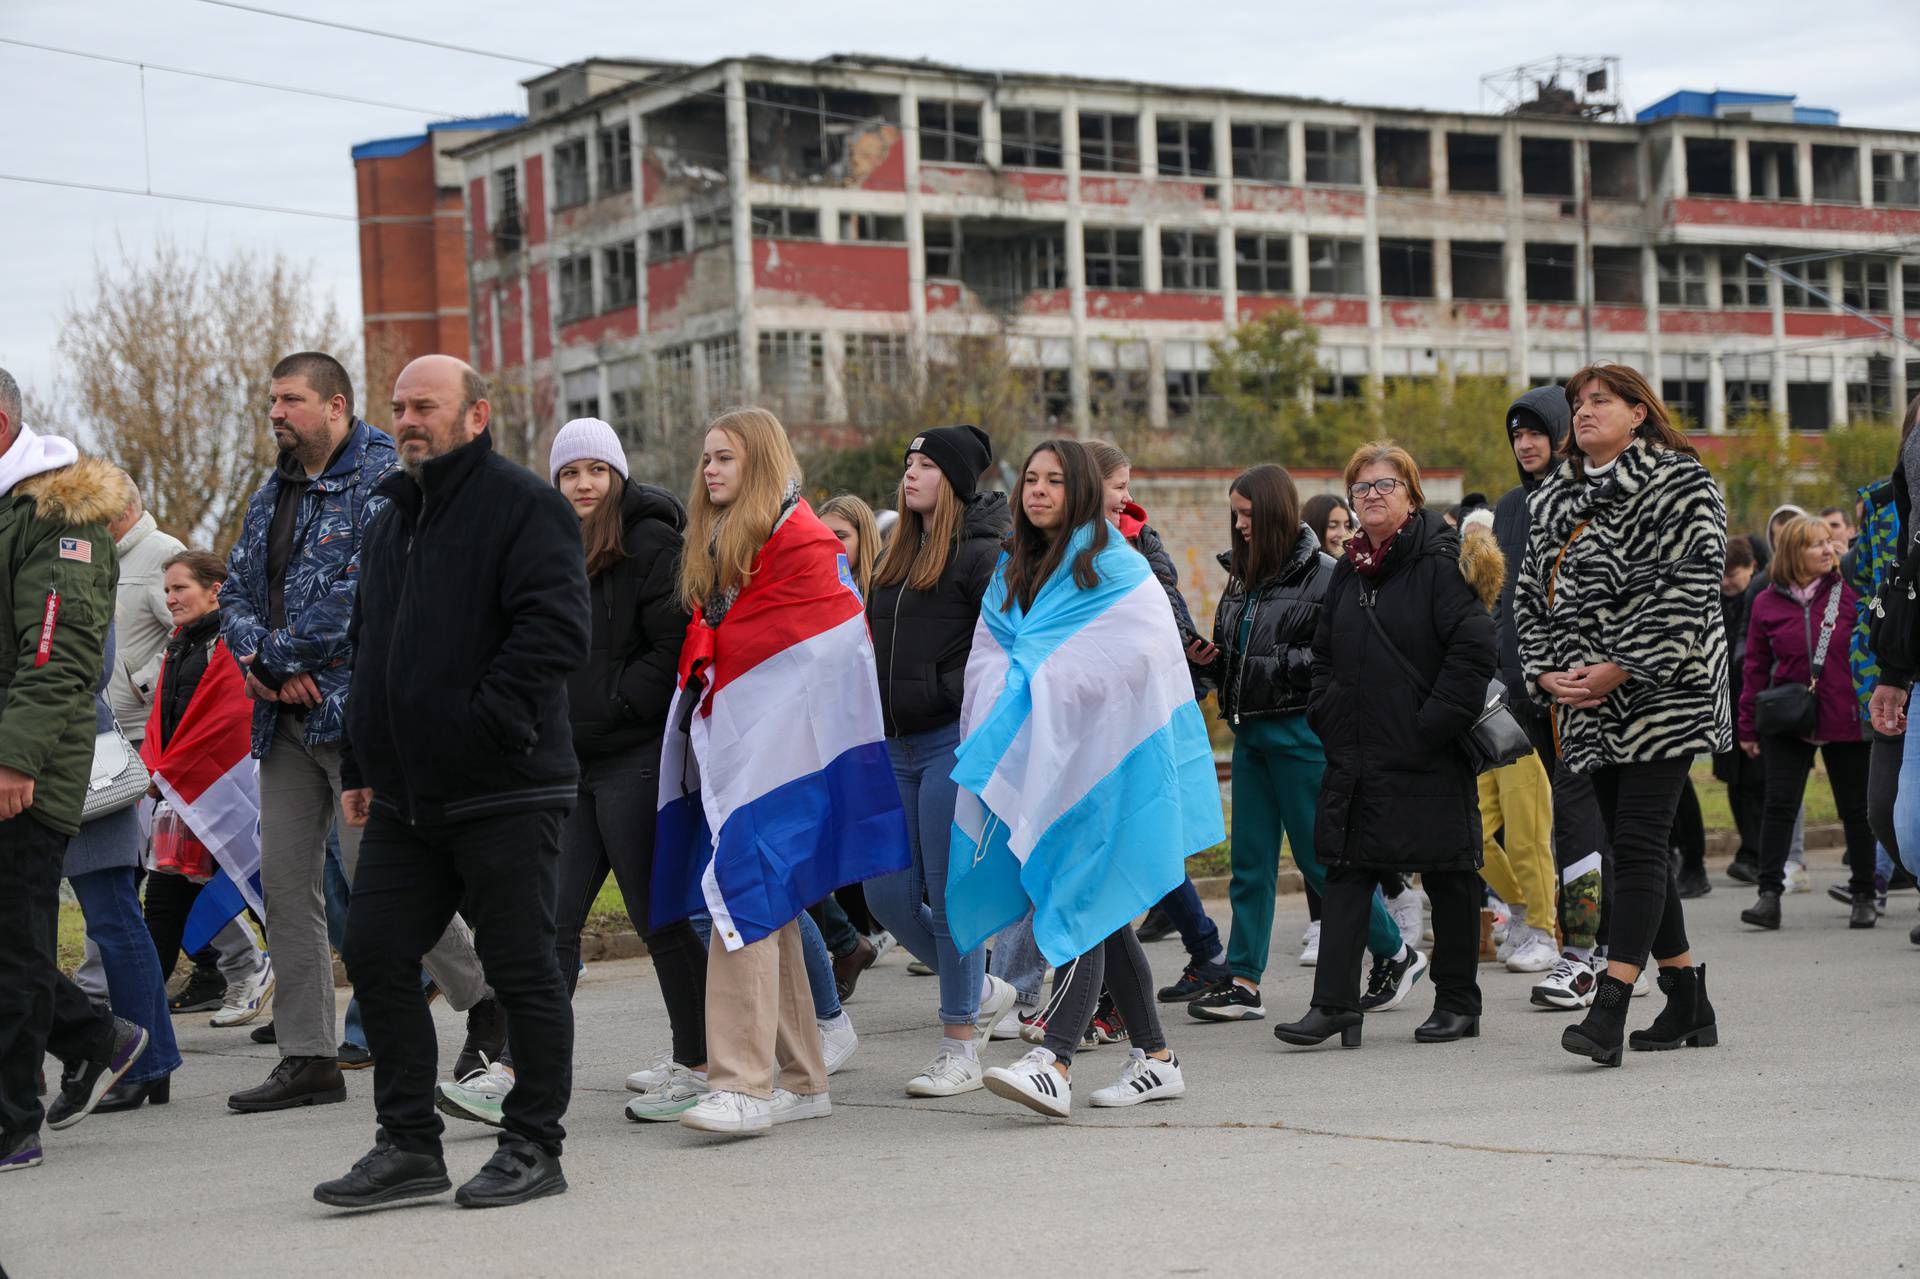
(1793, 709)
(1893, 626)
(1495, 739)
(118, 779)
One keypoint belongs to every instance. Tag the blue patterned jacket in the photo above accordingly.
(322, 576)
(1870, 566)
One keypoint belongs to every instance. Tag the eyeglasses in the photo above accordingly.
(1384, 487)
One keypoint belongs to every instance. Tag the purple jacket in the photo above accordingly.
(1778, 652)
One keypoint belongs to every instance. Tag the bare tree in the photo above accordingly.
(165, 367)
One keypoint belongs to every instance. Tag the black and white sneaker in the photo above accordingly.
(1197, 980)
(1144, 1079)
(1229, 1001)
(1570, 985)
(1391, 981)
(1034, 1083)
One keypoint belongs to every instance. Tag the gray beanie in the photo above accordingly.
(586, 439)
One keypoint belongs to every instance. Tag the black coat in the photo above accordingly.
(188, 649)
(618, 700)
(472, 612)
(1274, 675)
(1399, 793)
(1512, 526)
(921, 639)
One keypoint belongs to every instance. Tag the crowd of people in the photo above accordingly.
(458, 698)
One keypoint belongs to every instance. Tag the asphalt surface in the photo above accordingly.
(1792, 1148)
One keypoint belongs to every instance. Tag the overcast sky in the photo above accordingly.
(78, 120)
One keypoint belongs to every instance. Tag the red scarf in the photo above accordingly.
(1368, 559)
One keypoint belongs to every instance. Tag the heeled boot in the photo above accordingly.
(1320, 1025)
(1686, 1021)
(1603, 1033)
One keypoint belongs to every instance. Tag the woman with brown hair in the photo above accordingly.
(1618, 608)
(851, 520)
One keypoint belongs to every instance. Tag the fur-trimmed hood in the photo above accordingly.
(88, 491)
(1482, 563)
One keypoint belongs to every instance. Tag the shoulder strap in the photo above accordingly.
(1826, 634)
(1366, 605)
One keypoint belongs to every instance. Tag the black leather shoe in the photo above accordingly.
(264, 1035)
(1764, 913)
(486, 1037)
(385, 1174)
(1862, 914)
(126, 1096)
(518, 1171)
(85, 1084)
(1694, 882)
(1320, 1025)
(1744, 869)
(296, 1081)
(1444, 1027)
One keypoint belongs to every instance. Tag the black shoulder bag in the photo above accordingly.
(1793, 709)
(1893, 627)
(1495, 738)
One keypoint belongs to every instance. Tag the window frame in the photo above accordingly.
(1263, 262)
(619, 139)
(574, 301)
(572, 181)
(1113, 154)
(1343, 247)
(1188, 129)
(1331, 154)
(947, 137)
(1030, 140)
(619, 288)
(1113, 258)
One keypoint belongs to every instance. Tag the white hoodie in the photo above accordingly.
(33, 454)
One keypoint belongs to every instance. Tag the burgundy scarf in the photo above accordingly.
(1368, 560)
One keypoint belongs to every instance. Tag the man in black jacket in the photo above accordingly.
(458, 756)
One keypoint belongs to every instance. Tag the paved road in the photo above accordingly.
(1791, 1149)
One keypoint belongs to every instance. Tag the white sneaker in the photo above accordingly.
(479, 1096)
(789, 1106)
(1008, 1027)
(1406, 913)
(949, 1075)
(680, 1093)
(882, 943)
(246, 1000)
(1798, 881)
(999, 1001)
(1644, 982)
(1034, 1083)
(1535, 953)
(653, 1075)
(1310, 946)
(837, 1042)
(1144, 1079)
(1570, 985)
(733, 1112)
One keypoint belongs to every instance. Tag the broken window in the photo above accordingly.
(619, 276)
(1260, 152)
(1330, 385)
(1336, 266)
(1796, 297)
(580, 393)
(1473, 162)
(1686, 401)
(941, 249)
(949, 132)
(722, 375)
(1406, 268)
(576, 288)
(1866, 284)
(1000, 261)
(1113, 258)
(873, 228)
(793, 372)
(1056, 395)
(1403, 158)
(1479, 270)
(1186, 147)
(1683, 277)
(1190, 260)
(1910, 297)
(1119, 380)
(626, 400)
(1546, 166)
(1333, 156)
(877, 359)
(785, 224)
(686, 144)
(570, 173)
(1873, 397)
(1836, 174)
(1551, 272)
(615, 146)
(1616, 275)
(1030, 139)
(506, 202)
(1709, 166)
(1109, 143)
(1742, 284)
(1263, 263)
(669, 241)
(673, 383)
(1613, 168)
(1189, 388)
(1896, 178)
(715, 227)
(1746, 395)
(1773, 170)
(802, 133)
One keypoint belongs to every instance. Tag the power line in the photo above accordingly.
(196, 199)
(385, 35)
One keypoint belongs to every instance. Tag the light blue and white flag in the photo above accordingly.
(1086, 778)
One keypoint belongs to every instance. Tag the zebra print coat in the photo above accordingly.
(1637, 582)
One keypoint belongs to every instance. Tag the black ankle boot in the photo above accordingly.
(1686, 1021)
(1320, 1025)
(1862, 914)
(1600, 1036)
(1765, 911)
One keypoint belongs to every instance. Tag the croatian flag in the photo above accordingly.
(208, 774)
(1086, 778)
(775, 784)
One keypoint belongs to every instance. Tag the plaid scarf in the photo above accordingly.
(1368, 560)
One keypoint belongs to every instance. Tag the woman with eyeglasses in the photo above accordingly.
(1401, 661)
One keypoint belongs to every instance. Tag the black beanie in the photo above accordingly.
(961, 452)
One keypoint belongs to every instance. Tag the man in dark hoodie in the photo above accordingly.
(1537, 426)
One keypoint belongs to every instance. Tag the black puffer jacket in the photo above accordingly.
(1547, 406)
(187, 651)
(1398, 793)
(1274, 675)
(618, 700)
(921, 638)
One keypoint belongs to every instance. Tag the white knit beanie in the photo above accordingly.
(586, 439)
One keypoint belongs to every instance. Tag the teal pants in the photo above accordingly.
(1277, 766)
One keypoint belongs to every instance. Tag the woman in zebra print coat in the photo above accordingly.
(1619, 617)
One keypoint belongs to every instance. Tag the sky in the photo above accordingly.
(77, 120)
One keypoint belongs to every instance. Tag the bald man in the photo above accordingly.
(473, 610)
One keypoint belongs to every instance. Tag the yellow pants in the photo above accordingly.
(1519, 797)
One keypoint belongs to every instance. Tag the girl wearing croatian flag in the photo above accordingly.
(775, 787)
(1085, 774)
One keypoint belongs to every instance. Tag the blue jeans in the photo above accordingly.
(1198, 933)
(912, 904)
(135, 988)
(1906, 811)
(339, 893)
(826, 993)
(1018, 962)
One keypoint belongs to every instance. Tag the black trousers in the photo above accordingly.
(611, 829)
(1883, 786)
(502, 873)
(41, 1010)
(1578, 828)
(1746, 796)
(1344, 907)
(1690, 829)
(1787, 761)
(169, 900)
(1638, 802)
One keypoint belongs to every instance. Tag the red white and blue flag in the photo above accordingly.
(207, 773)
(775, 784)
